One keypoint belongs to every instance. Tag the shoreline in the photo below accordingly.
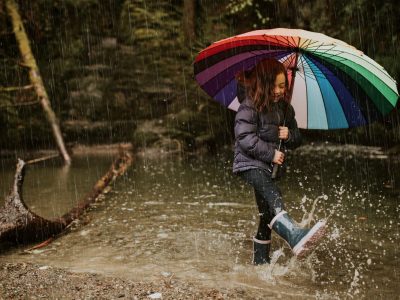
(157, 152)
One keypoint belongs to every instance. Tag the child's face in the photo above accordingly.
(278, 89)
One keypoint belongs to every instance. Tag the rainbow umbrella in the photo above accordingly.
(333, 85)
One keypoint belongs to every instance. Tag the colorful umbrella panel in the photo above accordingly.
(335, 85)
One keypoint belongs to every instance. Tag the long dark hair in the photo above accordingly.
(259, 82)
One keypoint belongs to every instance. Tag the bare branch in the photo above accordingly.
(16, 88)
(20, 104)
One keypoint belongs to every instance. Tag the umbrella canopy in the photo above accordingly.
(333, 84)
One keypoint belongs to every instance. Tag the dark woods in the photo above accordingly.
(121, 70)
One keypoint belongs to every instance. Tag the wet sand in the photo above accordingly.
(29, 281)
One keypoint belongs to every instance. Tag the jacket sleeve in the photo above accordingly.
(294, 139)
(247, 138)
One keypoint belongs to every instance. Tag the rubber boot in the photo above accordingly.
(261, 251)
(301, 240)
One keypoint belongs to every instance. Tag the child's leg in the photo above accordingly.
(268, 195)
(263, 232)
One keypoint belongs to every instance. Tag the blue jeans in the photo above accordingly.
(268, 198)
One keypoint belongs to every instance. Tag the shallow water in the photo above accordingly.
(192, 219)
(51, 188)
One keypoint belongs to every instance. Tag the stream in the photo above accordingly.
(192, 219)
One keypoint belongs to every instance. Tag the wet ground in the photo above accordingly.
(29, 281)
(190, 219)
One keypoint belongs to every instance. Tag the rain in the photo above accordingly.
(129, 138)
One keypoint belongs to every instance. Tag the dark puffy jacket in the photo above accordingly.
(256, 135)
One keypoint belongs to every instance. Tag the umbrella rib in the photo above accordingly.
(305, 69)
(273, 37)
(294, 42)
(293, 58)
(329, 55)
(288, 58)
(302, 46)
(277, 40)
(314, 50)
(309, 42)
(286, 38)
(308, 72)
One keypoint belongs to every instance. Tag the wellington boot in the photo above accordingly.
(301, 240)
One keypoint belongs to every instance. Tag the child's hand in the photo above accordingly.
(279, 157)
(283, 133)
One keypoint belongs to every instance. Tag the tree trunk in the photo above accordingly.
(34, 75)
(189, 20)
(18, 224)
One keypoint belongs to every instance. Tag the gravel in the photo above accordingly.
(30, 281)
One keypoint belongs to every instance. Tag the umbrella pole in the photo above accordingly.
(294, 70)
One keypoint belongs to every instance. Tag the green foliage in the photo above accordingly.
(255, 10)
(128, 60)
(143, 21)
(370, 25)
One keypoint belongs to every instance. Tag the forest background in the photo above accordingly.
(122, 70)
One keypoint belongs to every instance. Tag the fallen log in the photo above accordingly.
(18, 224)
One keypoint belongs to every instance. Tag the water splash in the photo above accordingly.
(308, 216)
(354, 285)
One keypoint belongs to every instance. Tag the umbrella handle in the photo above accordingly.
(274, 171)
(276, 166)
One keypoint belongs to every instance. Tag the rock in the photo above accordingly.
(155, 296)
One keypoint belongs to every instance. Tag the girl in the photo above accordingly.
(263, 119)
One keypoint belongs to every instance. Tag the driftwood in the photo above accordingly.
(18, 224)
